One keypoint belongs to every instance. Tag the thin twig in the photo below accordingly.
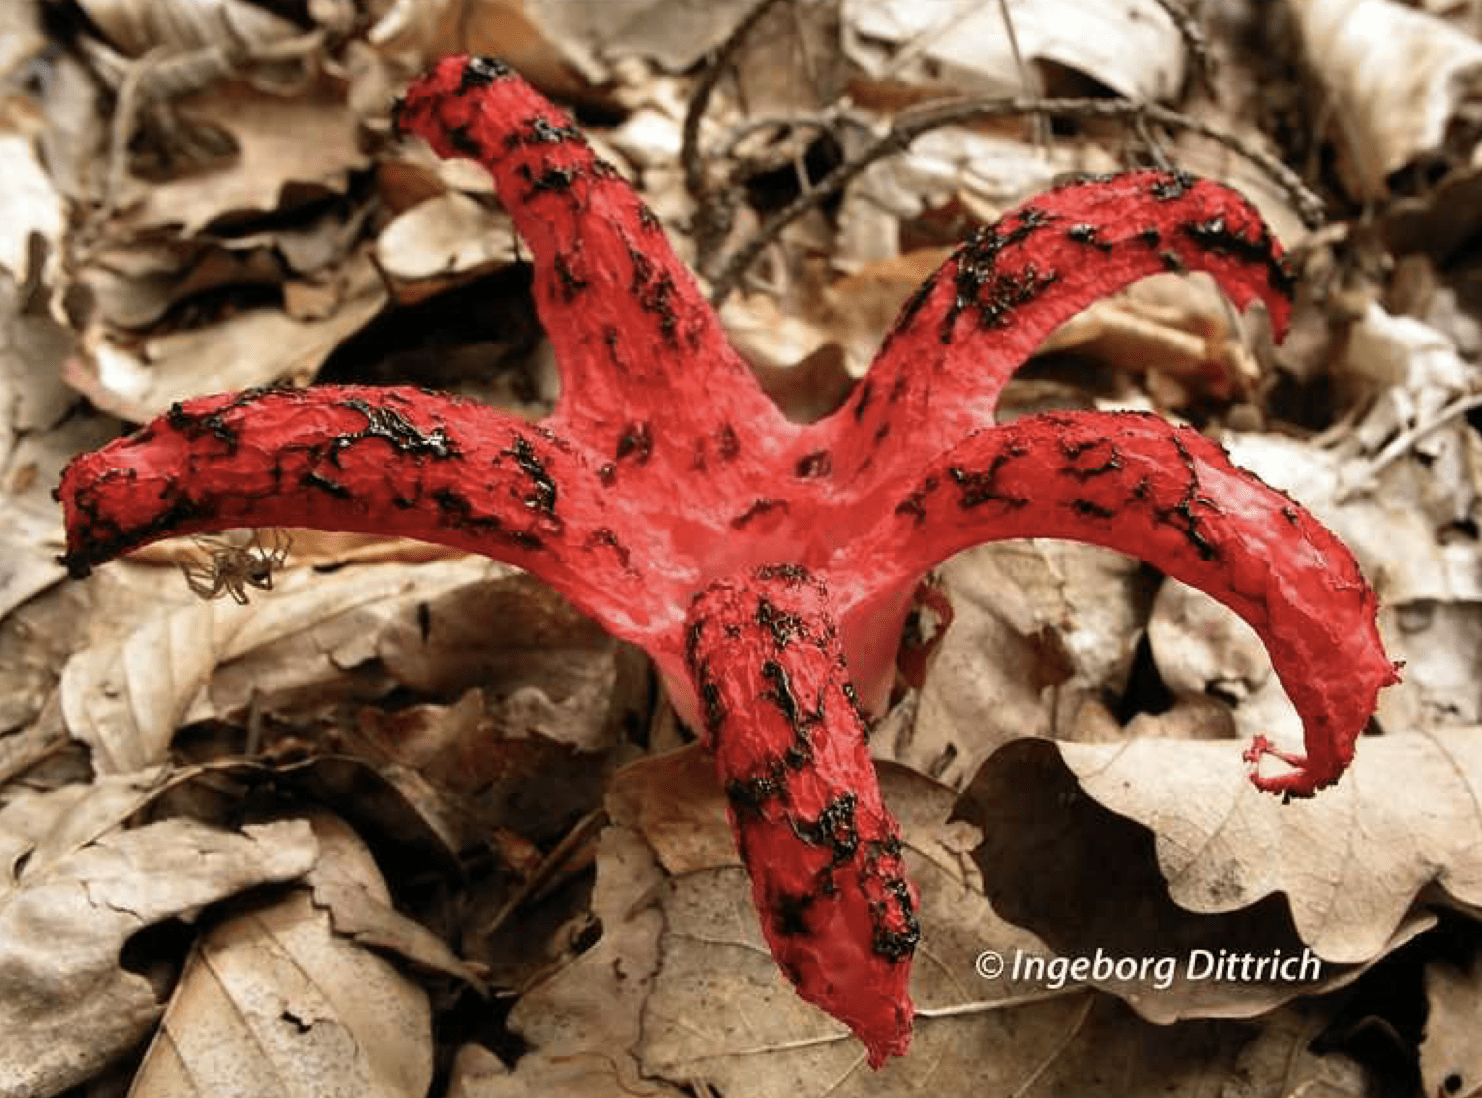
(822, 122)
(1403, 443)
(712, 221)
(1149, 142)
(1205, 65)
(1028, 80)
(912, 124)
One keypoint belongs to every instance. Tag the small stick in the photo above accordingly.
(712, 219)
(912, 124)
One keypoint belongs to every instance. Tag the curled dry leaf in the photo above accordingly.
(1352, 862)
(277, 1001)
(1088, 882)
(67, 1007)
(135, 27)
(251, 347)
(768, 567)
(1130, 46)
(1403, 83)
(1178, 328)
(1450, 1058)
(126, 695)
(447, 236)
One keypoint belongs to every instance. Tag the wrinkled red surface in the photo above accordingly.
(823, 852)
(671, 501)
(1170, 496)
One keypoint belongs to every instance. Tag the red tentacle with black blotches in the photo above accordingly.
(1169, 496)
(823, 851)
(640, 351)
(979, 317)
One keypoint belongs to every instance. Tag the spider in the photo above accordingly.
(231, 569)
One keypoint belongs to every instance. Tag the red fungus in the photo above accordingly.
(768, 567)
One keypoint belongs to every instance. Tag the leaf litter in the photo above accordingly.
(225, 249)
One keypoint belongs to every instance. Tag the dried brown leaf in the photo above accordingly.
(37, 438)
(66, 1005)
(1348, 865)
(274, 1001)
(1061, 621)
(250, 348)
(127, 694)
(679, 992)
(1450, 1057)
(583, 1023)
(1088, 881)
(1130, 46)
(1400, 81)
(308, 140)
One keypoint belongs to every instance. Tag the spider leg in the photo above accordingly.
(204, 582)
(235, 589)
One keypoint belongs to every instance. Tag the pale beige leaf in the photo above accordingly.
(1350, 861)
(249, 348)
(675, 33)
(1399, 80)
(1088, 881)
(66, 1005)
(275, 1002)
(126, 695)
(1130, 46)
(1450, 1056)
(443, 236)
(32, 204)
(1392, 530)
(1204, 651)
(46, 828)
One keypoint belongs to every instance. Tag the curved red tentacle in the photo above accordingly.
(380, 460)
(974, 322)
(1168, 496)
(823, 852)
(648, 378)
